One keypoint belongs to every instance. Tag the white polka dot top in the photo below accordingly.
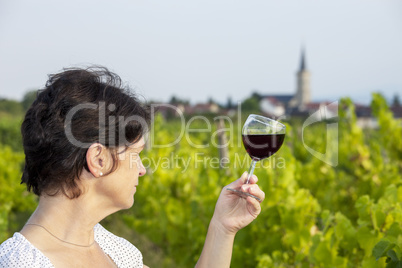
(17, 251)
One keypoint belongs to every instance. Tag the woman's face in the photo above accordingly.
(120, 186)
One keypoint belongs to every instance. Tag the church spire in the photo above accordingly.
(303, 65)
(302, 96)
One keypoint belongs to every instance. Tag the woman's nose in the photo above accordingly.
(142, 171)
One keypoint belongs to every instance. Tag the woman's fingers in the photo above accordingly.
(253, 189)
(244, 176)
(239, 182)
(255, 208)
(253, 179)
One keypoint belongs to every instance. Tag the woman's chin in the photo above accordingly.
(125, 203)
(130, 203)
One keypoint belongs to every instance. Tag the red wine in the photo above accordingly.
(262, 146)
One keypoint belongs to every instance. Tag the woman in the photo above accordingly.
(82, 139)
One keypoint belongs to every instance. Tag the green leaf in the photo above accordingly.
(345, 231)
(366, 239)
(391, 253)
(323, 253)
(391, 193)
(381, 248)
(363, 206)
(393, 264)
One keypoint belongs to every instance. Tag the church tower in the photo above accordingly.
(303, 95)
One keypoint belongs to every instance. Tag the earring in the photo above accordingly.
(100, 174)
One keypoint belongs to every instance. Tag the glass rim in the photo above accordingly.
(257, 116)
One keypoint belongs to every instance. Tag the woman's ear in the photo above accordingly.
(97, 155)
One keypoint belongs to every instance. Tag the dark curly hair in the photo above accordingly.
(77, 107)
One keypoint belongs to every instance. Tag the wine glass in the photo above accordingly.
(262, 137)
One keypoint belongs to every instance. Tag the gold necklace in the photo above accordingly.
(61, 240)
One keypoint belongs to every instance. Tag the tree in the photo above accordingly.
(11, 107)
(29, 98)
(256, 95)
(396, 102)
(251, 105)
(229, 104)
(175, 101)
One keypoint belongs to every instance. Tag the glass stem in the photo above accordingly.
(251, 170)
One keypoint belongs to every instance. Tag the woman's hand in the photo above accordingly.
(232, 212)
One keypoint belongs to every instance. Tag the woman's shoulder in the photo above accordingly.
(17, 251)
(123, 253)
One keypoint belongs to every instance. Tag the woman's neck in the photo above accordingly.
(70, 220)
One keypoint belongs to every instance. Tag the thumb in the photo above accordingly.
(239, 182)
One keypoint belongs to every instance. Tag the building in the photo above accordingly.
(303, 91)
(298, 103)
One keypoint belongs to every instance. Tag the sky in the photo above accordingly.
(202, 49)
